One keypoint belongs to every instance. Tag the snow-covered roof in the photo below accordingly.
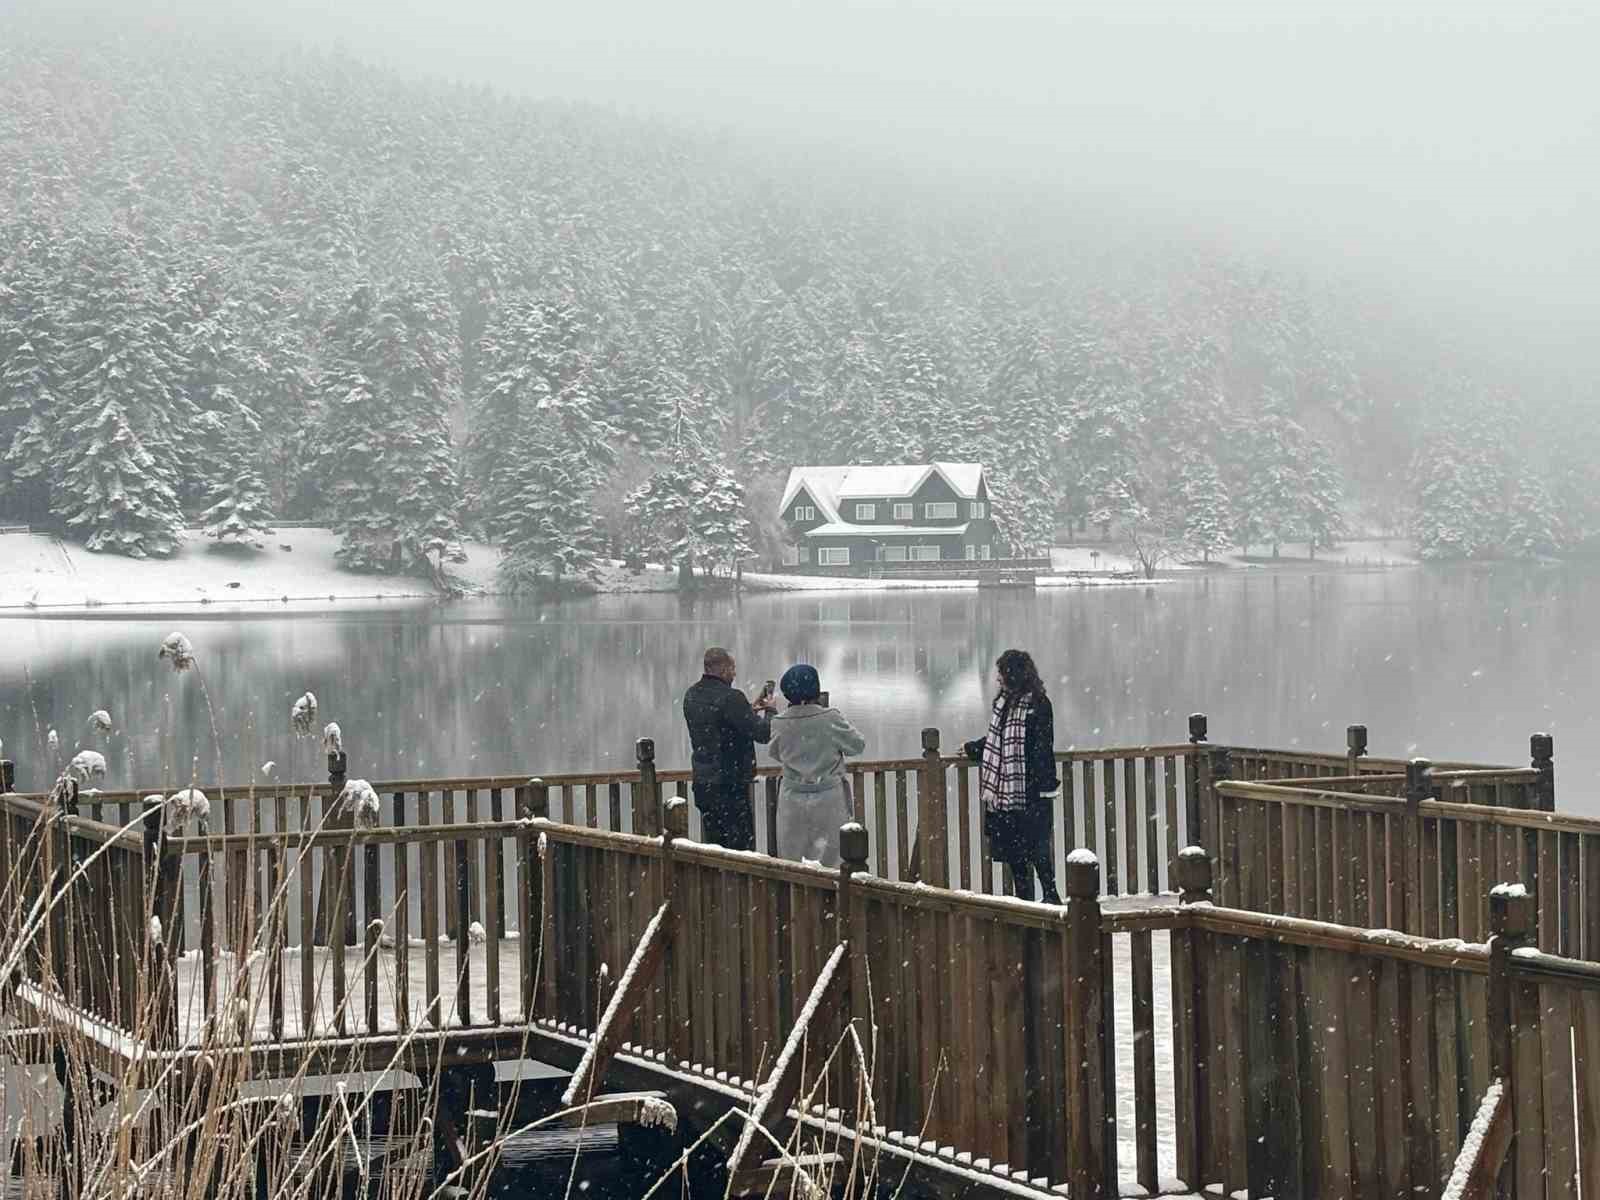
(830, 485)
(840, 528)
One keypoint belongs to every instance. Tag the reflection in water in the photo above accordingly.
(1460, 663)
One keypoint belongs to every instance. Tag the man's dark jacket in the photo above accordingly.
(724, 730)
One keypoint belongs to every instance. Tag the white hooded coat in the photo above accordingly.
(811, 743)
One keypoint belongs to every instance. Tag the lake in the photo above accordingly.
(1452, 663)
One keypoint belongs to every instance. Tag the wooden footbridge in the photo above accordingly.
(1280, 973)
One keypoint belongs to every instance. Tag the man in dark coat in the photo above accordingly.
(724, 730)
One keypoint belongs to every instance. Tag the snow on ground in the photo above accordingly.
(40, 572)
(757, 581)
(1113, 557)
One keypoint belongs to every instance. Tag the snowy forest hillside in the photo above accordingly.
(238, 286)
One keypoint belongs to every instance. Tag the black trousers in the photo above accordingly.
(1021, 839)
(726, 816)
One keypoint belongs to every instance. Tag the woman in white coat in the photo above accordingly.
(811, 743)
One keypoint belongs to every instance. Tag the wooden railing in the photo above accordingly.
(1033, 1042)
(1414, 864)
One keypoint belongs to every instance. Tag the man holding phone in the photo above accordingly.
(723, 729)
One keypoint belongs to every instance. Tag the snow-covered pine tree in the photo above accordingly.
(1270, 504)
(1457, 507)
(547, 523)
(113, 491)
(385, 454)
(240, 510)
(1533, 528)
(1322, 501)
(1204, 505)
(692, 513)
(29, 398)
(118, 453)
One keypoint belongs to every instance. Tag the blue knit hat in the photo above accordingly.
(800, 684)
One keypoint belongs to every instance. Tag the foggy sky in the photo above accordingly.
(1454, 147)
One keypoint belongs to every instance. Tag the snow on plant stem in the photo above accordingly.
(100, 721)
(332, 738)
(303, 715)
(362, 800)
(189, 803)
(87, 765)
(178, 650)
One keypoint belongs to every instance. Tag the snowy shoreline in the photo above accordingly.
(298, 574)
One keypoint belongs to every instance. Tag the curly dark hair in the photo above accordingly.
(1018, 675)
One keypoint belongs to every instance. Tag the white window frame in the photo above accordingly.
(972, 551)
(805, 512)
(939, 510)
(979, 509)
(866, 512)
(905, 512)
(926, 554)
(894, 553)
(985, 552)
(827, 556)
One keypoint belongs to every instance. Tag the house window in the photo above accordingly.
(805, 554)
(805, 512)
(972, 552)
(984, 552)
(833, 556)
(904, 512)
(925, 553)
(866, 512)
(979, 509)
(894, 554)
(944, 510)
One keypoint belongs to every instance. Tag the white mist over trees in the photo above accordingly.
(239, 287)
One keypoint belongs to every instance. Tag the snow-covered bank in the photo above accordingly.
(758, 582)
(39, 573)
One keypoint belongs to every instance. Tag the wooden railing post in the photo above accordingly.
(1542, 747)
(8, 776)
(1191, 1040)
(1419, 787)
(770, 789)
(933, 815)
(647, 800)
(1191, 799)
(1514, 1039)
(1355, 741)
(161, 868)
(1090, 1043)
(675, 826)
(533, 803)
(1213, 767)
(852, 931)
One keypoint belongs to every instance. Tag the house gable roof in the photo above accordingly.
(829, 486)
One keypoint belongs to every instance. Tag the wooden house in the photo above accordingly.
(856, 517)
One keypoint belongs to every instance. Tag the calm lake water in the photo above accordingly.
(1459, 663)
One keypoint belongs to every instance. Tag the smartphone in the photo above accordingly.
(822, 699)
(768, 689)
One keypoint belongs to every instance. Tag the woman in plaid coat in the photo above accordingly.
(1017, 779)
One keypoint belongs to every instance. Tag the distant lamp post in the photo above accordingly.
(1094, 560)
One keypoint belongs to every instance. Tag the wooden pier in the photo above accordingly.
(1280, 973)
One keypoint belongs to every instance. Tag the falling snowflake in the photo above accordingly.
(53, 740)
(179, 650)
